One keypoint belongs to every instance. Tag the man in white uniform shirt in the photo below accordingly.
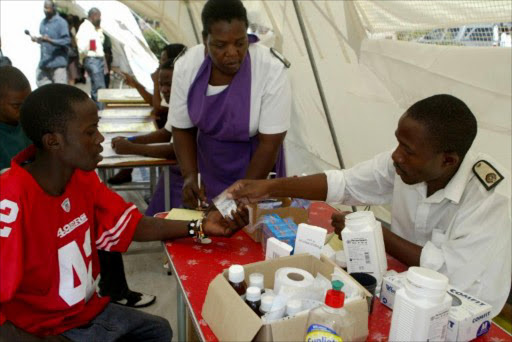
(450, 206)
(89, 39)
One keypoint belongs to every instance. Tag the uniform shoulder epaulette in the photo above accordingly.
(279, 56)
(487, 174)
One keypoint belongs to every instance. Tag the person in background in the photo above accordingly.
(14, 88)
(160, 105)
(141, 145)
(230, 106)
(4, 60)
(505, 38)
(89, 39)
(450, 206)
(73, 71)
(54, 41)
(109, 58)
(56, 215)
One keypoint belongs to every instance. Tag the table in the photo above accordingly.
(126, 122)
(195, 266)
(152, 164)
(120, 96)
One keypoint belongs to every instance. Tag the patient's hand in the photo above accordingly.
(216, 225)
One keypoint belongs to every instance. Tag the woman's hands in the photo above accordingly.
(193, 196)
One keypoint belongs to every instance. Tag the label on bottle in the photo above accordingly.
(438, 325)
(321, 333)
(359, 254)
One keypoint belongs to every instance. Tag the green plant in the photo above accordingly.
(156, 44)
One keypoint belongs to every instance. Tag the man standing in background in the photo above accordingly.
(90, 39)
(54, 41)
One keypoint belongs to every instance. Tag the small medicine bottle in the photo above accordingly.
(257, 280)
(253, 299)
(236, 279)
(293, 307)
(266, 303)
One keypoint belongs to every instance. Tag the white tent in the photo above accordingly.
(367, 81)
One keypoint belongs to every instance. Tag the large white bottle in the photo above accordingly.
(421, 308)
(363, 244)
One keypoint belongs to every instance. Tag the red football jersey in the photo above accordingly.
(49, 265)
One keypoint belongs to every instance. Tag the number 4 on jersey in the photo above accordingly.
(72, 262)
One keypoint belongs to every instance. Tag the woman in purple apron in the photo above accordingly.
(219, 146)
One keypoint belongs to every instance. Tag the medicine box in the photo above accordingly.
(469, 317)
(298, 215)
(283, 229)
(391, 284)
(310, 239)
(232, 320)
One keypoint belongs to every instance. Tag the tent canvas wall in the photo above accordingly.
(369, 83)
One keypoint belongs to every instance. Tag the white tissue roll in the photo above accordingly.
(290, 280)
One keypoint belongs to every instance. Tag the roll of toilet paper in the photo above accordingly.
(290, 281)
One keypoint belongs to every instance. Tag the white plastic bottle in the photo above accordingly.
(363, 244)
(421, 308)
(257, 280)
(293, 307)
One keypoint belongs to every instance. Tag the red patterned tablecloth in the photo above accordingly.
(196, 266)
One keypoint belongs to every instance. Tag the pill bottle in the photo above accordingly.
(236, 278)
(266, 303)
(421, 308)
(253, 299)
(293, 307)
(363, 244)
(330, 322)
(257, 280)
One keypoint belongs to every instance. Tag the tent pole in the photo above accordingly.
(319, 85)
(192, 21)
(318, 82)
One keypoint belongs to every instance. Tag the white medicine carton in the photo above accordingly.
(391, 284)
(469, 317)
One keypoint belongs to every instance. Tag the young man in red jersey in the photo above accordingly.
(56, 214)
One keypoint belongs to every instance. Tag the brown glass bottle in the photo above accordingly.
(236, 278)
(253, 299)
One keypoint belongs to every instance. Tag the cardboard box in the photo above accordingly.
(298, 215)
(232, 320)
(391, 284)
(469, 317)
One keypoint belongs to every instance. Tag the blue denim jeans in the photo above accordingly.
(95, 69)
(120, 323)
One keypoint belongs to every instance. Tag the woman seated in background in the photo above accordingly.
(160, 106)
(141, 145)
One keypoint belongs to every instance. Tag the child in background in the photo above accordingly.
(14, 88)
